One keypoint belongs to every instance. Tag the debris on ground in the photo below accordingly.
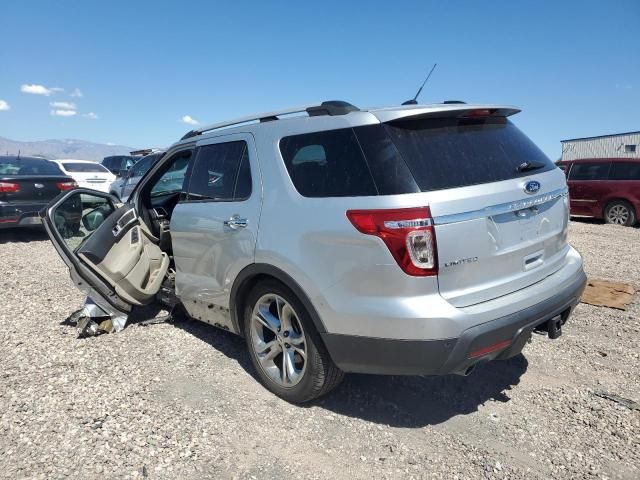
(625, 402)
(605, 293)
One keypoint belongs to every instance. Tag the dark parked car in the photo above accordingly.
(119, 164)
(27, 184)
(606, 188)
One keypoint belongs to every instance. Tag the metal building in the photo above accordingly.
(617, 145)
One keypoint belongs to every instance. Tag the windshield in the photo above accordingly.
(84, 167)
(28, 166)
(451, 152)
(173, 179)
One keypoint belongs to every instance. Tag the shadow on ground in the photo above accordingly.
(23, 235)
(415, 402)
(398, 401)
(411, 402)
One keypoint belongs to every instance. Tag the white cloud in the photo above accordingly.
(76, 93)
(35, 89)
(4, 106)
(90, 115)
(63, 105)
(189, 120)
(63, 113)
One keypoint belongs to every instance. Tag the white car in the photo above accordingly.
(87, 174)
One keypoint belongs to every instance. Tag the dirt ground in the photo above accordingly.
(180, 401)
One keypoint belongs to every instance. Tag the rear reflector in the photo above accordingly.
(64, 186)
(9, 187)
(408, 234)
(490, 349)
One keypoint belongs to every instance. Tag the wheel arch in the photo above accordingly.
(249, 277)
(611, 200)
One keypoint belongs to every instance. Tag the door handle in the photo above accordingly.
(236, 222)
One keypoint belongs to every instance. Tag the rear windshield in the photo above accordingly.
(22, 166)
(409, 156)
(83, 167)
(449, 152)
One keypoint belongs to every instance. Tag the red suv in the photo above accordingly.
(607, 188)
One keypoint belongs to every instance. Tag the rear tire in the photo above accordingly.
(620, 212)
(285, 348)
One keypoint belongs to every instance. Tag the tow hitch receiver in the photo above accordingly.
(553, 327)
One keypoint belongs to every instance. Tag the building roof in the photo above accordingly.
(600, 136)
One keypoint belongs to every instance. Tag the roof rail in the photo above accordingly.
(334, 107)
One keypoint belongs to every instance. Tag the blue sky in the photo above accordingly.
(141, 66)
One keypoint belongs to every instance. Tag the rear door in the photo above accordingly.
(498, 203)
(214, 230)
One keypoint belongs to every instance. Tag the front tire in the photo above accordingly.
(285, 348)
(620, 212)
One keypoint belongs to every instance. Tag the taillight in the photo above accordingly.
(407, 232)
(479, 112)
(9, 187)
(64, 186)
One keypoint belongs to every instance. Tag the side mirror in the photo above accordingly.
(93, 219)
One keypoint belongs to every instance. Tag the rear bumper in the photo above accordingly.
(453, 355)
(20, 215)
(100, 187)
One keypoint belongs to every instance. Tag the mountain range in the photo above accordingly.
(65, 148)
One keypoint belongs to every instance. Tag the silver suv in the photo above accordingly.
(418, 240)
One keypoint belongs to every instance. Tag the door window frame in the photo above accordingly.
(254, 166)
(168, 157)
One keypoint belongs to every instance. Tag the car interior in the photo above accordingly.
(131, 251)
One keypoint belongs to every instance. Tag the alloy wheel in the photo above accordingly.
(618, 214)
(278, 340)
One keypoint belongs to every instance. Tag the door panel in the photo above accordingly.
(107, 247)
(213, 240)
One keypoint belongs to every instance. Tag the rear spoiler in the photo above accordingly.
(445, 111)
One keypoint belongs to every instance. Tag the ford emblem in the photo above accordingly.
(532, 187)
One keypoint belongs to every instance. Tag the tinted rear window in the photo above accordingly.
(450, 152)
(327, 164)
(21, 166)
(84, 167)
(625, 171)
(409, 156)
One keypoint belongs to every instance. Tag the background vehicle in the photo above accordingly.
(27, 184)
(123, 186)
(87, 174)
(404, 240)
(119, 164)
(605, 188)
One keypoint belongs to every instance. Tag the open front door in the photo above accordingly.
(110, 253)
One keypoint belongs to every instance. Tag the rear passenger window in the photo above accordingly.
(327, 164)
(221, 172)
(589, 171)
(625, 171)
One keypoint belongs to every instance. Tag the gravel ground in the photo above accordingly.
(179, 400)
